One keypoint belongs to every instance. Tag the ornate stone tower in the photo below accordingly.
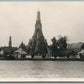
(38, 43)
(38, 27)
(10, 42)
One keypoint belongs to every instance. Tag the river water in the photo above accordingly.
(41, 69)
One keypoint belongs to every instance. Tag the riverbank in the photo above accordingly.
(47, 59)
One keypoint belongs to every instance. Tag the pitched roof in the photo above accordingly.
(20, 51)
(8, 49)
(74, 46)
(82, 51)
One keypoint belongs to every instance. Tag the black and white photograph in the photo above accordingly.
(41, 41)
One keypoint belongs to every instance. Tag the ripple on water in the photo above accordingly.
(41, 69)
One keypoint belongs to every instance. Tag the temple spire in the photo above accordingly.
(10, 42)
(38, 15)
(37, 44)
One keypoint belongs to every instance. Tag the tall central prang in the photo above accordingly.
(38, 43)
(38, 28)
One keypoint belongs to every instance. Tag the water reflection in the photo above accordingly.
(41, 69)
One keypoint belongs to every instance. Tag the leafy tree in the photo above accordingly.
(62, 43)
(54, 45)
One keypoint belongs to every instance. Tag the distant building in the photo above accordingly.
(75, 46)
(6, 50)
(20, 53)
(10, 42)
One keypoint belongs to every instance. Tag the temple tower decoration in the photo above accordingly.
(38, 43)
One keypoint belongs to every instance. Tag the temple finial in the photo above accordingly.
(38, 15)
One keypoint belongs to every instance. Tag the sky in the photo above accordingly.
(58, 18)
